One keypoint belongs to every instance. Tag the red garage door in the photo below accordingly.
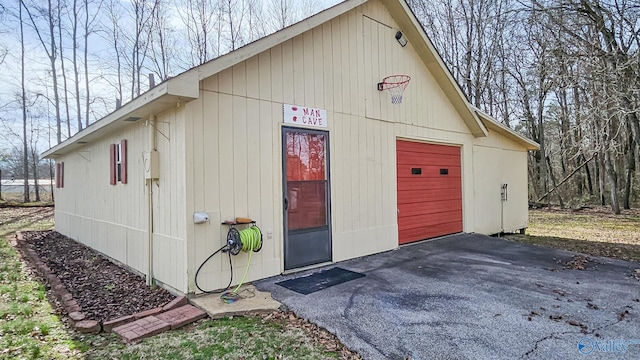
(429, 190)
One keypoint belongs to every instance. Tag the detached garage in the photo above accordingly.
(298, 132)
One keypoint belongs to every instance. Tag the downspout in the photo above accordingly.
(152, 147)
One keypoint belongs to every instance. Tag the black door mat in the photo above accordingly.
(321, 280)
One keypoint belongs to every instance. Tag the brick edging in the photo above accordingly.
(74, 311)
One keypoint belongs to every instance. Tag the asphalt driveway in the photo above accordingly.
(472, 296)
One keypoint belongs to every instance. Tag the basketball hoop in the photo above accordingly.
(395, 84)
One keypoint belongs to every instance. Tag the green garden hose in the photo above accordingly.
(251, 242)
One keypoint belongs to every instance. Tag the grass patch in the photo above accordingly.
(25, 218)
(28, 328)
(236, 338)
(595, 232)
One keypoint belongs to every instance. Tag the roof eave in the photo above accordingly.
(495, 125)
(163, 96)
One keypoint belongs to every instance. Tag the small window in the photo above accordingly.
(118, 163)
(60, 175)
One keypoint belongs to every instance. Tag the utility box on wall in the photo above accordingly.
(151, 163)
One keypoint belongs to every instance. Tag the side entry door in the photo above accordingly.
(305, 156)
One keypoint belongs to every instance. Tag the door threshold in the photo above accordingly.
(310, 267)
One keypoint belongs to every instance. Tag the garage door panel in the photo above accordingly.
(429, 203)
(427, 232)
(415, 221)
(418, 147)
(428, 171)
(406, 158)
(422, 208)
(419, 196)
(429, 183)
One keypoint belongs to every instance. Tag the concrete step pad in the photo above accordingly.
(181, 316)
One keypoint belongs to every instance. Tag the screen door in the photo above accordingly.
(306, 197)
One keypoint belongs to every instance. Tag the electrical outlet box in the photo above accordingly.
(151, 162)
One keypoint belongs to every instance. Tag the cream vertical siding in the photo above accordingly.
(516, 208)
(169, 201)
(498, 161)
(108, 218)
(113, 219)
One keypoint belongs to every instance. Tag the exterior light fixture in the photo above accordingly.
(401, 39)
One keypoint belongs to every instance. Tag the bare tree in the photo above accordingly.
(201, 18)
(23, 101)
(88, 29)
(75, 18)
(564, 72)
(282, 13)
(234, 13)
(52, 53)
(142, 13)
(115, 38)
(63, 72)
(163, 44)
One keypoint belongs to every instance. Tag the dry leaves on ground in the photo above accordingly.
(318, 334)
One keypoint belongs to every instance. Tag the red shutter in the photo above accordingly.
(123, 161)
(112, 154)
(62, 174)
(57, 175)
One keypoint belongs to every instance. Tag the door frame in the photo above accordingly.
(283, 172)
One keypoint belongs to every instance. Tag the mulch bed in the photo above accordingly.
(104, 290)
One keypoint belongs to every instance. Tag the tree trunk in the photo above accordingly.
(553, 182)
(51, 174)
(612, 180)
(64, 78)
(25, 150)
(543, 151)
(54, 73)
(630, 169)
(600, 174)
(34, 159)
(86, 66)
(76, 74)
(589, 181)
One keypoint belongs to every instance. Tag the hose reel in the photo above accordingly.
(248, 240)
(252, 240)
